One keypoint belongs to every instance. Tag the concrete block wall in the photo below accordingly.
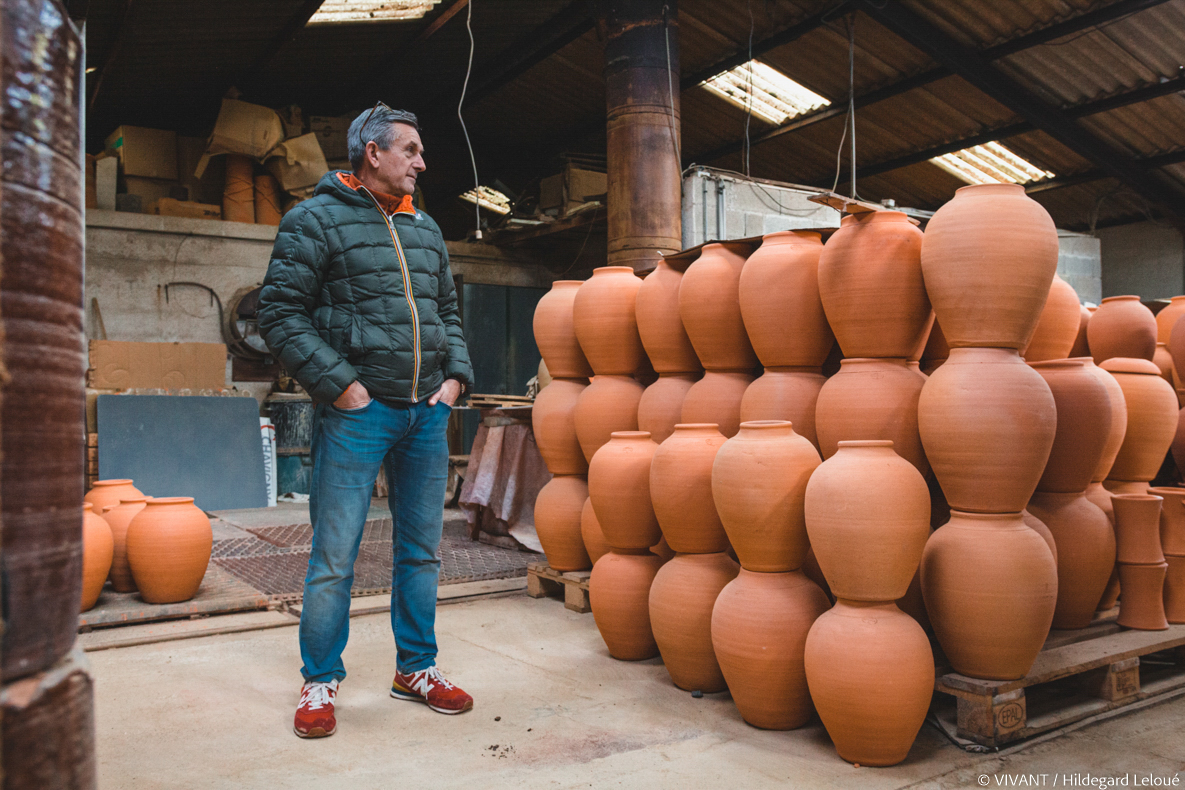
(1079, 263)
(1143, 258)
(745, 208)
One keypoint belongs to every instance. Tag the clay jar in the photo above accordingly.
(619, 488)
(1167, 318)
(710, 308)
(555, 333)
(608, 404)
(681, 490)
(872, 399)
(936, 352)
(717, 398)
(780, 303)
(987, 422)
(1151, 418)
(1137, 529)
(1172, 519)
(108, 493)
(553, 419)
(619, 592)
(603, 315)
(989, 257)
(1114, 436)
(661, 406)
(118, 518)
(659, 324)
(1083, 425)
(98, 550)
(785, 394)
(1174, 590)
(169, 544)
(990, 586)
(1164, 363)
(1057, 328)
(868, 516)
(1081, 346)
(759, 628)
(557, 522)
(681, 601)
(590, 531)
(1142, 604)
(871, 675)
(1122, 327)
(1085, 554)
(759, 480)
(1176, 347)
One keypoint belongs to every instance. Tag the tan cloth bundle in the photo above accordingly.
(267, 200)
(238, 197)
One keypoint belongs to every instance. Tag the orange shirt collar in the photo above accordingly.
(390, 203)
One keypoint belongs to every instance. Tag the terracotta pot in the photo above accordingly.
(619, 487)
(710, 308)
(1118, 427)
(662, 550)
(661, 406)
(1174, 590)
(1111, 594)
(1176, 346)
(759, 627)
(913, 604)
(619, 592)
(1164, 361)
(590, 532)
(785, 394)
(937, 350)
(1057, 328)
(1151, 419)
(608, 404)
(1038, 526)
(990, 586)
(1167, 318)
(1081, 346)
(1142, 604)
(118, 518)
(870, 282)
(681, 601)
(1101, 498)
(553, 419)
(923, 341)
(989, 257)
(1137, 529)
(555, 332)
(1172, 519)
(872, 399)
(659, 324)
(868, 517)
(1083, 425)
(780, 304)
(1177, 448)
(1117, 487)
(98, 550)
(603, 315)
(1121, 327)
(681, 490)
(759, 479)
(109, 493)
(871, 675)
(169, 544)
(810, 567)
(716, 398)
(557, 522)
(1085, 554)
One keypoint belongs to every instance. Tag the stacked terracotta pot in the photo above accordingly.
(1172, 540)
(669, 349)
(1142, 564)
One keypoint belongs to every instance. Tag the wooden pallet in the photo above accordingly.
(573, 585)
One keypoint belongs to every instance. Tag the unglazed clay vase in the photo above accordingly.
(590, 532)
(1085, 554)
(619, 487)
(1137, 529)
(1178, 446)
(1142, 604)
(871, 675)
(603, 314)
(169, 544)
(1172, 519)
(937, 351)
(1118, 427)
(681, 601)
(868, 516)
(785, 394)
(872, 399)
(759, 627)
(1176, 346)
(555, 333)
(681, 490)
(990, 585)
(780, 304)
(1083, 425)
(109, 493)
(1121, 327)
(1057, 328)
(659, 324)
(1174, 590)
(608, 404)
(710, 308)
(1081, 346)
(1164, 362)
(717, 398)
(759, 479)
(987, 422)
(989, 257)
(118, 518)
(557, 522)
(870, 282)
(662, 550)
(619, 592)
(553, 419)
(1035, 524)
(661, 406)
(1167, 318)
(1151, 418)
(98, 550)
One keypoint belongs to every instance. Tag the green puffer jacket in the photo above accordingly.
(351, 294)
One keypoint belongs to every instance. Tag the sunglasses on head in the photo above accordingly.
(400, 115)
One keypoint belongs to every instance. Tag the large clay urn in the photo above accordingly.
(1167, 318)
(1057, 328)
(1081, 346)
(872, 399)
(989, 257)
(987, 422)
(659, 324)
(1122, 327)
(936, 351)
(661, 406)
(681, 490)
(555, 332)
(169, 544)
(990, 585)
(619, 592)
(98, 550)
(1172, 519)
(608, 404)
(590, 531)
(1083, 425)
(619, 488)
(717, 398)
(870, 282)
(759, 628)
(681, 601)
(603, 312)
(557, 522)
(1164, 362)
(554, 421)
(1085, 553)
(785, 394)
(710, 308)
(1095, 491)
(780, 304)
(109, 493)
(1151, 418)
(1176, 346)
(759, 480)
(118, 518)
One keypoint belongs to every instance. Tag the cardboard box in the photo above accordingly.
(208, 188)
(168, 207)
(331, 134)
(298, 162)
(150, 190)
(149, 153)
(121, 365)
(106, 182)
(572, 188)
(243, 128)
(551, 192)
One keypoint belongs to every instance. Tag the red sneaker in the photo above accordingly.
(314, 715)
(429, 686)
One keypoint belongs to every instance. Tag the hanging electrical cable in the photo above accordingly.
(666, 30)
(749, 102)
(461, 118)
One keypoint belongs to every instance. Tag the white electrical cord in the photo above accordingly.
(465, 87)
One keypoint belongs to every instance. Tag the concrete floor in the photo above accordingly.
(552, 710)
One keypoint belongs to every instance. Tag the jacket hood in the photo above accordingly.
(330, 184)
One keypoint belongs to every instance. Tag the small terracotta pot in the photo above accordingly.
(555, 332)
(109, 493)
(681, 601)
(619, 592)
(1083, 425)
(1141, 606)
(118, 518)
(1167, 318)
(1137, 529)
(759, 627)
(785, 394)
(717, 398)
(1172, 519)
(557, 522)
(1164, 361)
(619, 487)
(1085, 554)
(1121, 327)
(661, 406)
(1152, 413)
(1081, 346)
(608, 404)
(1038, 526)
(1057, 328)
(681, 490)
(590, 533)
(98, 550)
(553, 419)
(1118, 427)
(1174, 590)
(169, 544)
(605, 323)
(659, 324)
(709, 304)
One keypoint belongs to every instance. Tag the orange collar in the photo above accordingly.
(390, 203)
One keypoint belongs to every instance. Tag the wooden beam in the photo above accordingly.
(440, 21)
(1086, 176)
(291, 30)
(121, 37)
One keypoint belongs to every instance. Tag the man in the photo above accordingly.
(359, 306)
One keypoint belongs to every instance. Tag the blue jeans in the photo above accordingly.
(349, 448)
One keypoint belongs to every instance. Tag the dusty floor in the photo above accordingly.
(553, 710)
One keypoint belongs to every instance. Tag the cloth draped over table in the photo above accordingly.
(505, 474)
